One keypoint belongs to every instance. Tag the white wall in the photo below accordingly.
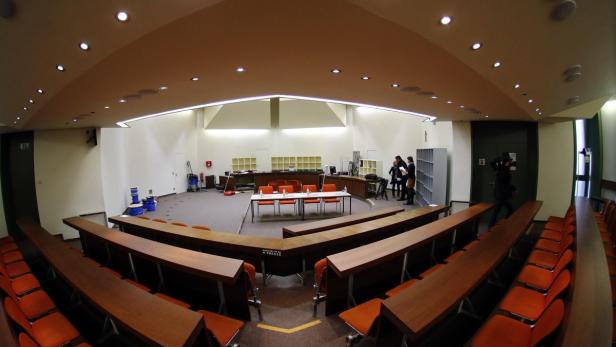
(67, 173)
(461, 165)
(555, 174)
(608, 127)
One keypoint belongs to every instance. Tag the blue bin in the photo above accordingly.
(135, 209)
(149, 204)
(134, 192)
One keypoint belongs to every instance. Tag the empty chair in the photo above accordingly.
(530, 304)
(23, 284)
(201, 227)
(503, 331)
(143, 217)
(570, 212)
(12, 257)
(311, 188)
(361, 319)
(555, 235)
(252, 291)
(320, 283)
(33, 305)
(548, 245)
(547, 259)
(159, 220)
(180, 224)
(8, 247)
(287, 189)
(49, 331)
(222, 328)
(266, 190)
(330, 187)
(15, 269)
(26, 341)
(540, 278)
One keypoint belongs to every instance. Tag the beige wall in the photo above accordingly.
(68, 180)
(608, 127)
(555, 175)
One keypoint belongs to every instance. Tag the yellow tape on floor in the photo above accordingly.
(289, 331)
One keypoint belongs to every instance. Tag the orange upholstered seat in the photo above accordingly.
(173, 300)
(180, 224)
(8, 247)
(548, 245)
(320, 282)
(222, 328)
(547, 259)
(557, 235)
(32, 305)
(540, 278)
(159, 220)
(49, 331)
(266, 190)
(201, 227)
(506, 332)
(143, 217)
(252, 291)
(330, 187)
(311, 188)
(397, 289)
(26, 341)
(17, 269)
(11, 257)
(24, 284)
(530, 304)
(362, 317)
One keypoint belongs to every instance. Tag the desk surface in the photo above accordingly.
(422, 305)
(363, 257)
(138, 311)
(209, 266)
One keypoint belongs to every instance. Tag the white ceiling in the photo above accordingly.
(288, 48)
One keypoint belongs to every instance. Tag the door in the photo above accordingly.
(18, 189)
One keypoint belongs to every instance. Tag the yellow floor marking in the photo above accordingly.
(289, 331)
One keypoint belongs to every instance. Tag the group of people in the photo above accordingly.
(403, 179)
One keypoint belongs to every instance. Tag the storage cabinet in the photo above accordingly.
(369, 166)
(297, 162)
(243, 164)
(431, 171)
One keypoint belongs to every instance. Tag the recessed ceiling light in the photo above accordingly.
(540, 113)
(40, 91)
(31, 101)
(122, 100)
(84, 46)
(434, 97)
(530, 101)
(395, 85)
(449, 102)
(107, 107)
(335, 71)
(496, 64)
(461, 106)
(18, 118)
(445, 20)
(486, 116)
(537, 109)
(60, 67)
(240, 69)
(365, 78)
(74, 120)
(516, 86)
(122, 16)
(194, 78)
(164, 88)
(15, 122)
(25, 109)
(475, 46)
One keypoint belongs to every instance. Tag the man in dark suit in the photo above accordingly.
(503, 189)
(403, 177)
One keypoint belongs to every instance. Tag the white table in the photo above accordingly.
(300, 198)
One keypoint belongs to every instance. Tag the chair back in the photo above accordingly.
(329, 187)
(286, 188)
(180, 224)
(266, 189)
(319, 274)
(201, 227)
(566, 243)
(5, 286)
(251, 273)
(549, 321)
(12, 310)
(564, 260)
(560, 284)
(159, 220)
(143, 217)
(26, 341)
(312, 187)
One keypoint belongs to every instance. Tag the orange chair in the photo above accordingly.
(143, 217)
(15, 269)
(12, 257)
(530, 304)
(266, 190)
(23, 284)
(557, 236)
(361, 319)
(547, 259)
(330, 187)
(180, 224)
(502, 331)
(252, 291)
(570, 212)
(287, 189)
(312, 188)
(6, 239)
(222, 328)
(8, 247)
(159, 220)
(173, 300)
(540, 278)
(320, 283)
(33, 305)
(49, 331)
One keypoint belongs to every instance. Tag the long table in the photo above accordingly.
(279, 256)
(225, 272)
(380, 263)
(129, 306)
(417, 308)
(300, 197)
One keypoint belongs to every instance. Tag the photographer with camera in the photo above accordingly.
(503, 189)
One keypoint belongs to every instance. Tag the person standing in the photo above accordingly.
(503, 189)
(410, 182)
(395, 179)
(403, 177)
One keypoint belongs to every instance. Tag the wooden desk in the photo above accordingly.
(225, 272)
(136, 310)
(588, 318)
(355, 185)
(417, 308)
(325, 224)
(386, 260)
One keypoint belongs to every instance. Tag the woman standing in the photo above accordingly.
(395, 179)
(403, 177)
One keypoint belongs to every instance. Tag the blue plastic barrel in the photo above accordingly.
(150, 204)
(134, 192)
(135, 209)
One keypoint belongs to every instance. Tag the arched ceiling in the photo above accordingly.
(289, 48)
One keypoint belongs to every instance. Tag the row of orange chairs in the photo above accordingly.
(533, 309)
(305, 188)
(29, 306)
(182, 224)
(606, 220)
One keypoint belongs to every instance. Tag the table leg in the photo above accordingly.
(350, 205)
(252, 212)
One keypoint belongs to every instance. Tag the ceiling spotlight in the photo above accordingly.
(537, 109)
(195, 78)
(60, 67)
(18, 118)
(164, 88)
(365, 78)
(434, 97)
(476, 46)
(496, 64)
(335, 71)
(449, 102)
(445, 20)
(84, 46)
(107, 107)
(74, 120)
(40, 91)
(540, 113)
(395, 85)
(122, 100)
(530, 101)
(25, 109)
(240, 69)
(31, 101)
(486, 116)
(461, 106)
(15, 122)
(516, 86)
(122, 16)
